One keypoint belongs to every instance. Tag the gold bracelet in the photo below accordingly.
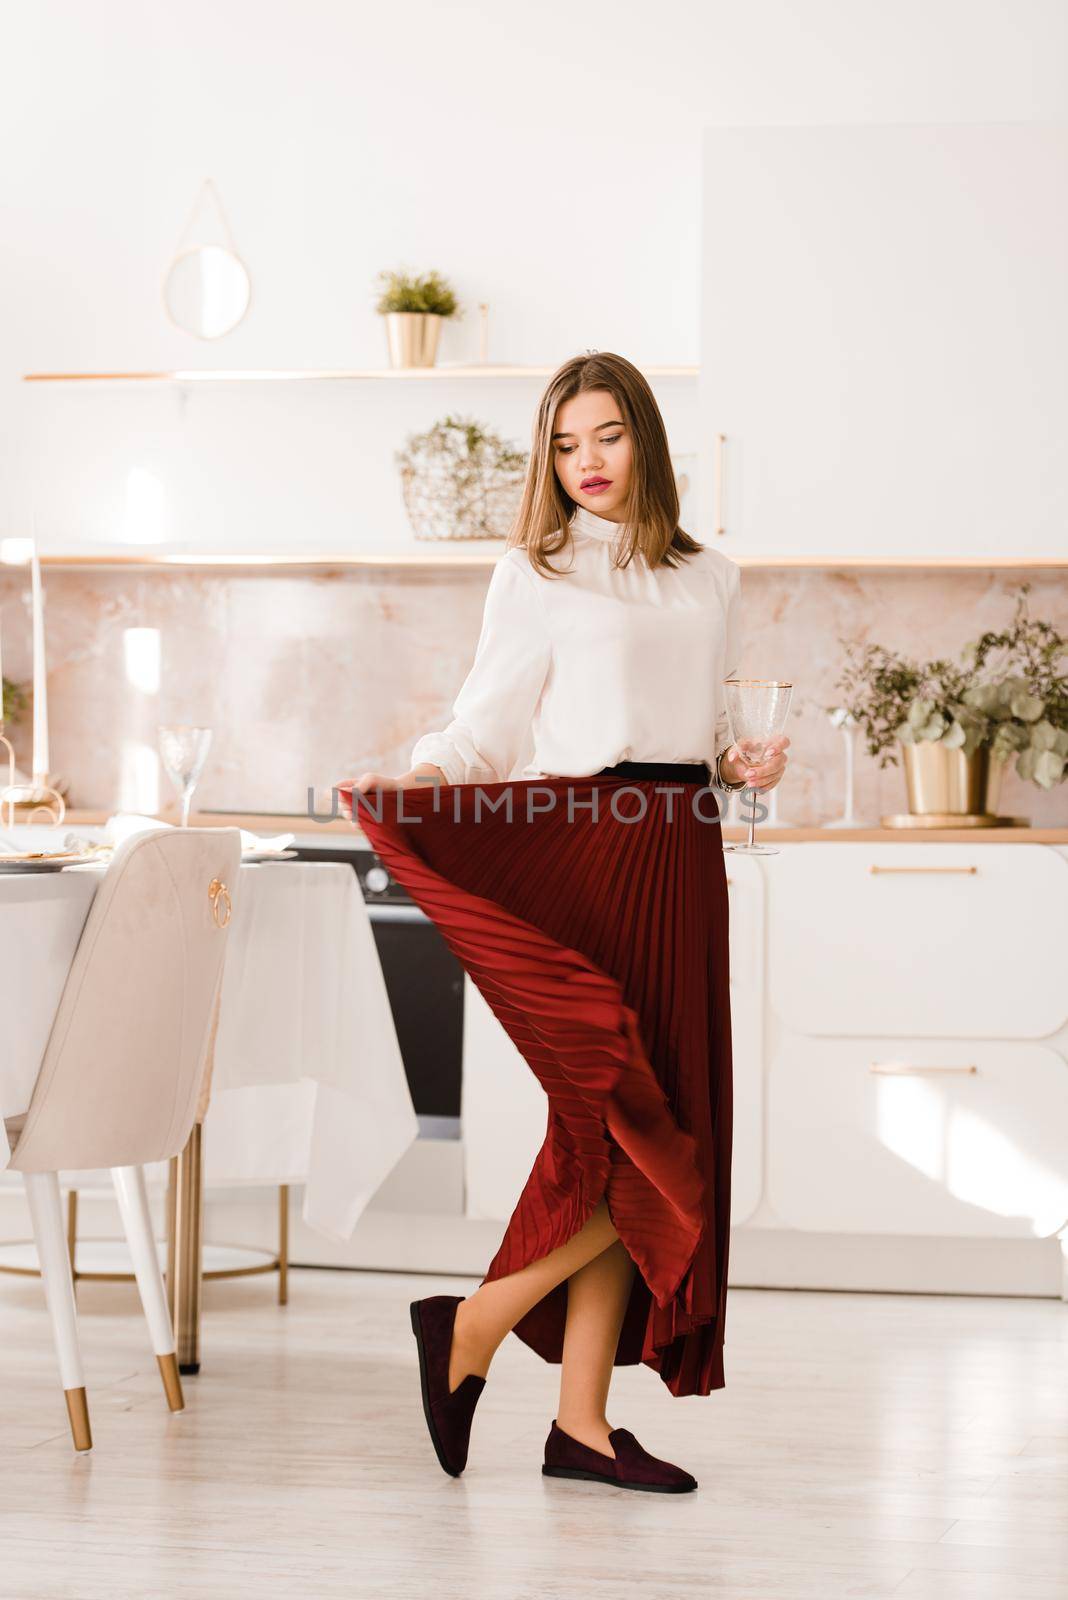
(731, 788)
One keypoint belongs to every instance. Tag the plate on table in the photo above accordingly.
(267, 855)
(42, 860)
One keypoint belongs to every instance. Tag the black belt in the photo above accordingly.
(661, 771)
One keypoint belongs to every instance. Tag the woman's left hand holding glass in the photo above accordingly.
(761, 775)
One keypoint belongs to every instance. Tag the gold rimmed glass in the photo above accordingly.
(757, 709)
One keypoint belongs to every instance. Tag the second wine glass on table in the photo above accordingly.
(183, 751)
(756, 710)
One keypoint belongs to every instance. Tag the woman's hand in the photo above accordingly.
(764, 775)
(378, 780)
(418, 777)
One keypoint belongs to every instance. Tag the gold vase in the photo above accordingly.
(950, 783)
(413, 338)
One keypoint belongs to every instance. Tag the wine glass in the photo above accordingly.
(756, 709)
(183, 751)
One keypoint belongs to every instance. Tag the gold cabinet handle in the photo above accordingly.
(910, 1068)
(873, 868)
(219, 895)
(721, 440)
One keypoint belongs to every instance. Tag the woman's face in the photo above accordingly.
(592, 453)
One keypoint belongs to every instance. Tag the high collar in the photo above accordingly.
(595, 527)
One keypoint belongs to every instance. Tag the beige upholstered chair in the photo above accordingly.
(121, 1073)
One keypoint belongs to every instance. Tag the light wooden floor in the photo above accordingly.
(865, 1445)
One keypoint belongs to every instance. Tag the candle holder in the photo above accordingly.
(841, 719)
(38, 794)
(7, 807)
(34, 794)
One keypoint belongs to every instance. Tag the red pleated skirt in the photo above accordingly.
(600, 943)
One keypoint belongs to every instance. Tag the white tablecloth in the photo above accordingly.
(309, 1084)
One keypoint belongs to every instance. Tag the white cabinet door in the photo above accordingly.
(503, 1113)
(934, 940)
(884, 340)
(898, 1136)
(745, 890)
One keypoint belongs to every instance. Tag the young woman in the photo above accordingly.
(562, 833)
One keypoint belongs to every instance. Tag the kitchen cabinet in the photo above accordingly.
(919, 1136)
(932, 940)
(899, 1017)
(745, 891)
(917, 1033)
(884, 341)
(503, 1112)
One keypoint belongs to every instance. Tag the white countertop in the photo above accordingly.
(340, 834)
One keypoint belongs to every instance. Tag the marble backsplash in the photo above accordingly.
(310, 678)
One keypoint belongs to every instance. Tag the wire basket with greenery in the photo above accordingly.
(460, 480)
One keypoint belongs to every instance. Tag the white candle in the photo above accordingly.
(40, 690)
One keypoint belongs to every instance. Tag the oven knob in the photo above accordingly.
(377, 880)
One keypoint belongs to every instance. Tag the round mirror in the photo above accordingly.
(207, 291)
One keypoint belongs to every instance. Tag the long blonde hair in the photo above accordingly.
(651, 513)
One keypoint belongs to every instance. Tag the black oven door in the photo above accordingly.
(425, 984)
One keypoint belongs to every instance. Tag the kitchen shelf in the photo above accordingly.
(328, 374)
(487, 553)
(208, 561)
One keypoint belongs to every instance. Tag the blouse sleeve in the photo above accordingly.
(732, 654)
(493, 710)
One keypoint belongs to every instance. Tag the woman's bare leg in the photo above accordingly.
(597, 1296)
(485, 1318)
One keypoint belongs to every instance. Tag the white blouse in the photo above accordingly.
(605, 664)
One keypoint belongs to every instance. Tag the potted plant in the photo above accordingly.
(958, 723)
(414, 308)
(15, 786)
(460, 480)
(13, 700)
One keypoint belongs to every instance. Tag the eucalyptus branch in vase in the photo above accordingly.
(1006, 694)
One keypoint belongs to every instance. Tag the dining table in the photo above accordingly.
(303, 1079)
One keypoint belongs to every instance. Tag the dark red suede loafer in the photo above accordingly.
(448, 1416)
(632, 1468)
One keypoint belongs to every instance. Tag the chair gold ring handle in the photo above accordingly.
(219, 895)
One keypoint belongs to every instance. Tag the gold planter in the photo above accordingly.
(413, 338)
(949, 783)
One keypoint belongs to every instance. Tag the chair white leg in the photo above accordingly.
(46, 1215)
(132, 1196)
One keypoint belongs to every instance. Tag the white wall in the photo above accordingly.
(544, 156)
